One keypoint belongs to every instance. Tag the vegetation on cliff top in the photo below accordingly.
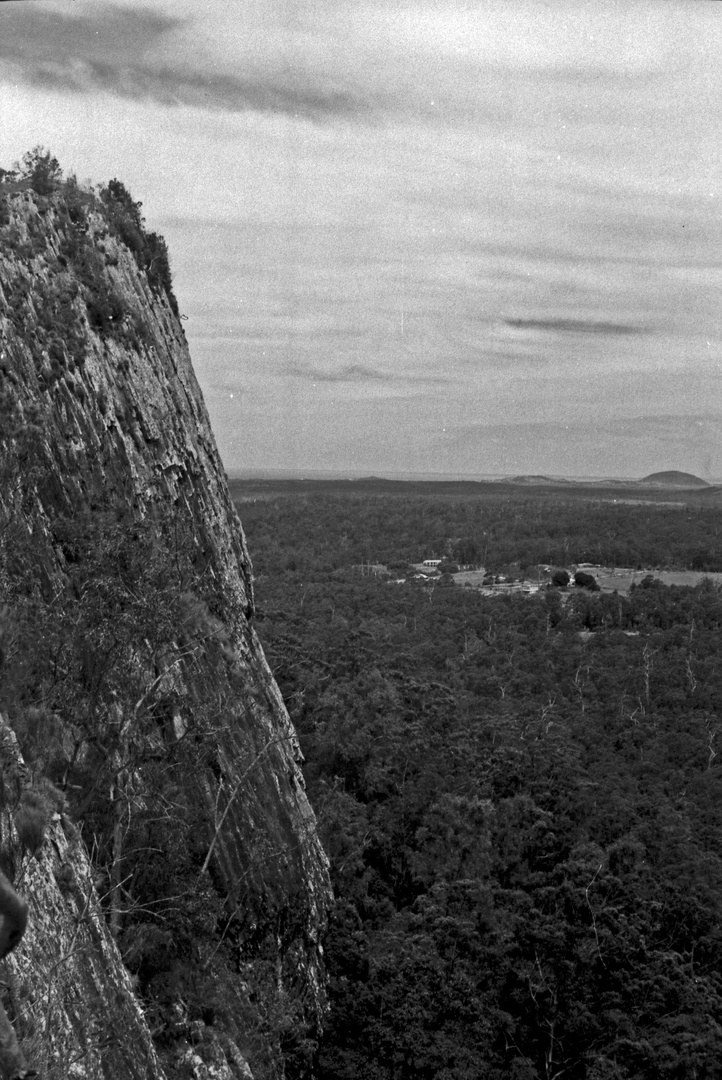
(40, 172)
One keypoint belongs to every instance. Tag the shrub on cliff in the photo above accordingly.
(116, 686)
(149, 249)
(41, 169)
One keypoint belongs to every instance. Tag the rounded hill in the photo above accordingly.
(675, 479)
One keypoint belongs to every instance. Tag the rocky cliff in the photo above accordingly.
(191, 902)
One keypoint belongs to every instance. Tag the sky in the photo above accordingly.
(435, 237)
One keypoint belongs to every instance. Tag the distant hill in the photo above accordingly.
(533, 479)
(674, 479)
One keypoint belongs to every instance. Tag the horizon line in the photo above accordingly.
(451, 477)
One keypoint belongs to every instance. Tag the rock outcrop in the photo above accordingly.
(67, 990)
(134, 679)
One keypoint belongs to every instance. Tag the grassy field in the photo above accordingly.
(622, 580)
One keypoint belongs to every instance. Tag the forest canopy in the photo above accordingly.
(521, 796)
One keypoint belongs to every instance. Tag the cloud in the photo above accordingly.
(33, 34)
(358, 373)
(574, 326)
(349, 373)
(139, 53)
(326, 59)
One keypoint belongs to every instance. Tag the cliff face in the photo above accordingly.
(67, 990)
(132, 674)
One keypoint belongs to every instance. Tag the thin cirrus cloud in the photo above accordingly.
(357, 373)
(140, 54)
(574, 326)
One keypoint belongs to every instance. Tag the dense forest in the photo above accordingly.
(328, 531)
(521, 797)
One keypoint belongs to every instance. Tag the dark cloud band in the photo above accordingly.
(358, 373)
(349, 373)
(32, 34)
(109, 52)
(574, 326)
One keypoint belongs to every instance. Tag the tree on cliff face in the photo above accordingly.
(120, 652)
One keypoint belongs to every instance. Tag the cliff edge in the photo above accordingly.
(132, 677)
